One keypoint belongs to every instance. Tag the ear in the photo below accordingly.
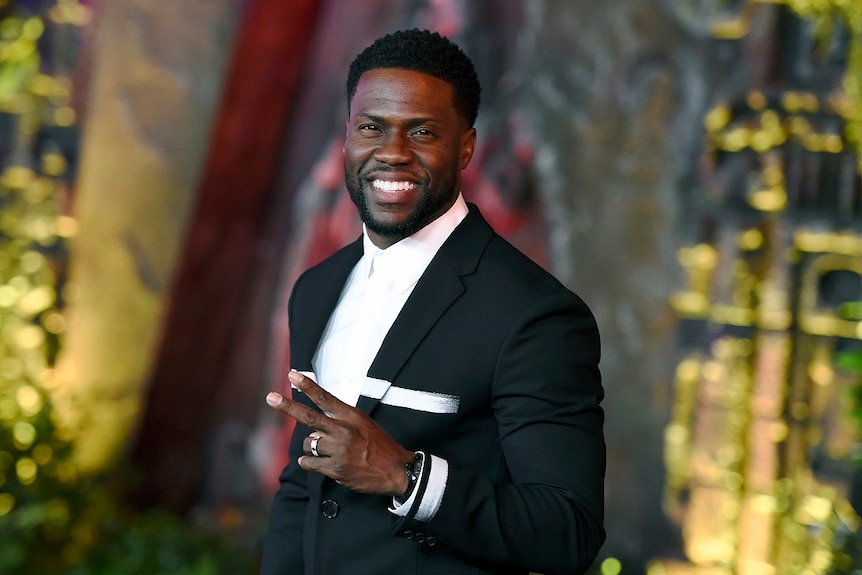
(346, 135)
(468, 146)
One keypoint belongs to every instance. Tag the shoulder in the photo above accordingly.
(515, 270)
(490, 264)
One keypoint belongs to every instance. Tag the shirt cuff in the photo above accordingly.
(432, 494)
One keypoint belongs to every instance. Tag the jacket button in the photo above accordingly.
(408, 534)
(431, 541)
(329, 508)
(420, 538)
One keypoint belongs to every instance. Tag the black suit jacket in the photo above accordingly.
(514, 355)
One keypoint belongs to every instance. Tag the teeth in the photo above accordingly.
(387, 186)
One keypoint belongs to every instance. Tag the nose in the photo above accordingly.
(394, 150)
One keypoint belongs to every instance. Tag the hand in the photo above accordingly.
(353, 450)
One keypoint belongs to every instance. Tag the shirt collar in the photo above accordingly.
(408, 258)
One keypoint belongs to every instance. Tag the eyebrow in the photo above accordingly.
(411, 122)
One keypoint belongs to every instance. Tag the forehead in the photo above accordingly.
(393, 91)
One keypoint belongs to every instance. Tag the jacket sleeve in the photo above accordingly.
(546, 396)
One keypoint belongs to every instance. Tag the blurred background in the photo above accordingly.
(689, 167)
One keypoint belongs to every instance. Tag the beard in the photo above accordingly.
(428, 207)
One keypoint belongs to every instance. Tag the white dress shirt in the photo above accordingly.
(372, 298)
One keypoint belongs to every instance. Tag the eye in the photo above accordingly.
(422, 133)
(368, 126)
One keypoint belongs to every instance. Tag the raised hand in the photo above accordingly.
(349, 446)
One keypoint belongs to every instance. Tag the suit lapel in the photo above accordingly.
(436, 291)
(438, 287)
(327, 286)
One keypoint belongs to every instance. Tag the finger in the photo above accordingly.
(311, 445)
(301, 413)
(327, 402)
(310, 463)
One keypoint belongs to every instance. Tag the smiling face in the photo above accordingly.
(404, 152)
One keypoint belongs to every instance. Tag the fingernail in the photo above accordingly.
(294, 376)
(274, 399)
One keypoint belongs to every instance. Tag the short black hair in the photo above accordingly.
(426, 52)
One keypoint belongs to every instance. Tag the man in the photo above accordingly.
(455, 426)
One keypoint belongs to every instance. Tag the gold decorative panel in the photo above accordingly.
(758, 447)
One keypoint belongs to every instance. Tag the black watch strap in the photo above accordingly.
(413, 470)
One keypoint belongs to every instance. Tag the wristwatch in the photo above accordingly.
(414, 472)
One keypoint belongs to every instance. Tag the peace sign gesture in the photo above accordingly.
(345, 445)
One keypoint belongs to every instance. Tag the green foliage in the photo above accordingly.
(851, 363)
(159, 543)
(104, 539)
(54, 523)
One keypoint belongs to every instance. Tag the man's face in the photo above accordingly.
(404, 152)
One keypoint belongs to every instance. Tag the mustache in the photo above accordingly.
(366, 174)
